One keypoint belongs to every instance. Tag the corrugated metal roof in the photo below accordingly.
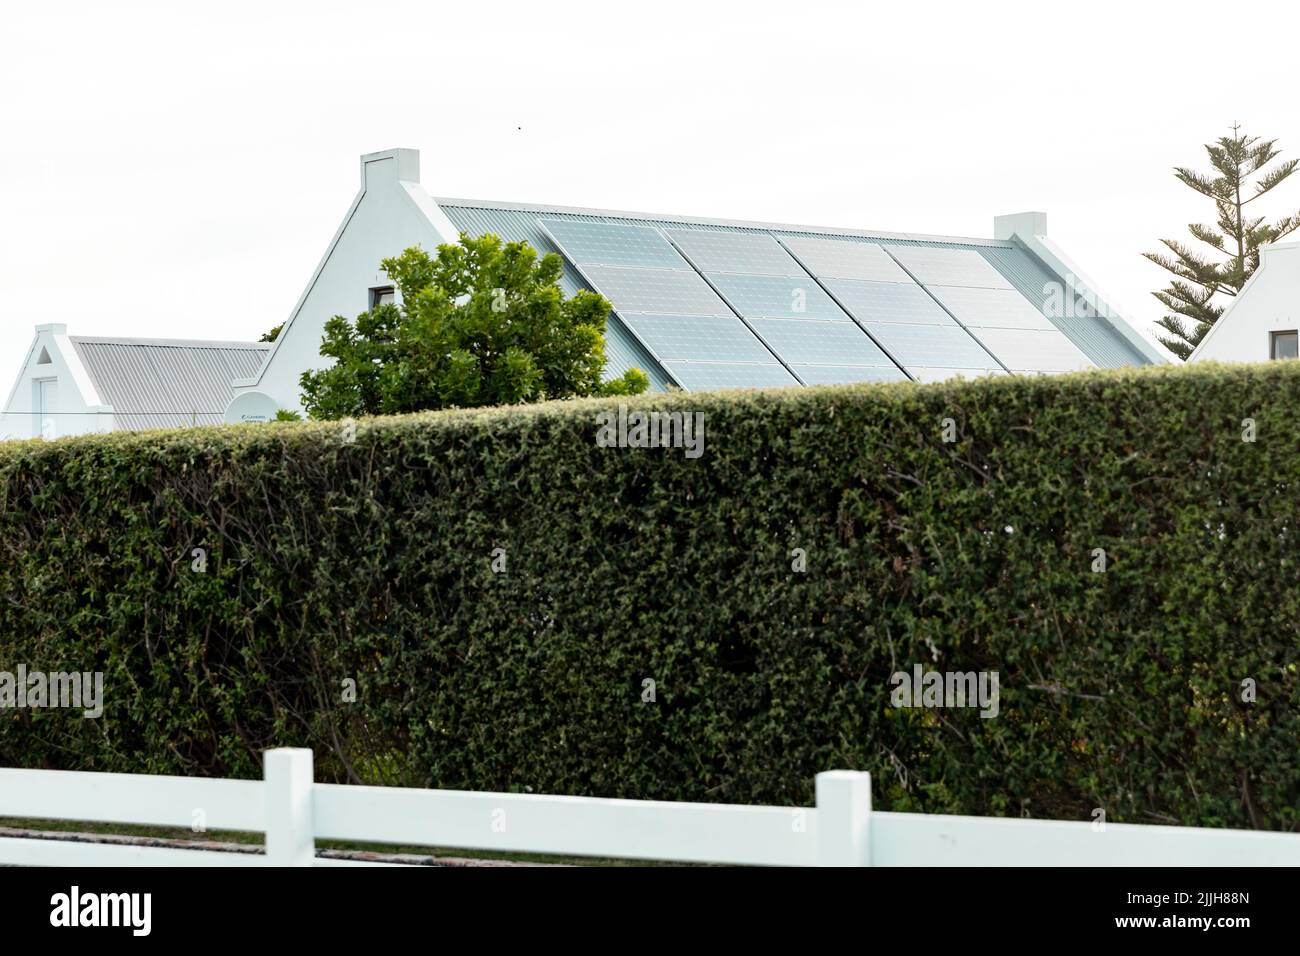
(1091, 334)
(166, 383)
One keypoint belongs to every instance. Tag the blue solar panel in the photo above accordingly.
(847, 374)
(735, 252)
(702, 376)
(1034, 350)
(991, 308)
(870, 301)
(698, 338)
(777, 297)
(930, 345)
(810, 342)
(940, 266)
(655, 290)
(612, 244)
(845, 259)
(922, 374)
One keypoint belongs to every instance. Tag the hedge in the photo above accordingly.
(501, 588)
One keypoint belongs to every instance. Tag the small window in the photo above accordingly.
(1284, 345)
(381, 296)
(44, 357)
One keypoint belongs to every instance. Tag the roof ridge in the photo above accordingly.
(704, 221)
(168, 343)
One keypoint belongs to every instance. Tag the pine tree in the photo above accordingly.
(1194, 297)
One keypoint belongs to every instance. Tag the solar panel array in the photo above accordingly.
(786, 307)
(868, 281)
(665, 303)
(1003, 320)
(724, 309)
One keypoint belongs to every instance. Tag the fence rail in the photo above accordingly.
(294, 811)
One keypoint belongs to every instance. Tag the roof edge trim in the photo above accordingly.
(830, 231)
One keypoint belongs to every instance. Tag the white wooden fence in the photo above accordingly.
(841, 830)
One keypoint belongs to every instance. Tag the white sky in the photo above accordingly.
(177, 169)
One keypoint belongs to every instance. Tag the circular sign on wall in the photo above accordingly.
(251, 407)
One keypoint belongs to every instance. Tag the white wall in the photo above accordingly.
(1270, 302)
(77, 409)
(391, 213)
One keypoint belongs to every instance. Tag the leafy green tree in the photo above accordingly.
(1194, 297)
(272, 334)
(480, 323)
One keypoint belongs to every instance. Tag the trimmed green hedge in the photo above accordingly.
(367, 554)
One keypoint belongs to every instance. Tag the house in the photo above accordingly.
(1263, 321)
(705, 304)
(71, 385)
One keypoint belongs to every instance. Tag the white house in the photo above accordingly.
(697, 304)
(703, 303)
(71, 385)
(1263, 321)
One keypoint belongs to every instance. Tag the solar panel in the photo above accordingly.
(690, 325)
(991, 308)
(810, 342)
(612, 244)
(655, 290)
(698, 376)
(930, 345)
(940, 266)
(776, 297)
(841, 259)
(847, 374)
(698, 338)
(734, 252)
(1034, 350)
(922, 374)
(871, 301)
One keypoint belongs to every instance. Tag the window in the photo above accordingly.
(381, 296)
(1284, 345)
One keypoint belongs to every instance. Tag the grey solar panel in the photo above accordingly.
(930, 345)
(612, 244)
(922, 374)
(991, 308)
(734, 252)
(939, 266)
(842, 259)
(698, 338)
(807, 341)
(776, 297)
(871, 301)
(702, 376)
(848, 374)
(655, 290)
(1034, 350)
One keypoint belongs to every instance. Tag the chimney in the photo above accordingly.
(390, 166)
(1023, 224)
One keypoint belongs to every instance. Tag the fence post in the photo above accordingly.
(290, 839)
(843, 818)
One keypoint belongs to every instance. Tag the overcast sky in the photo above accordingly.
(177, 169)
